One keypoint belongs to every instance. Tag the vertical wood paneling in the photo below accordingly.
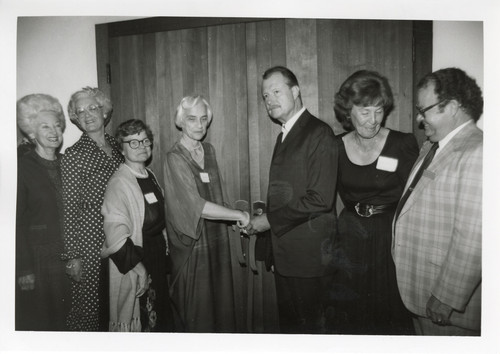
(328, 70)
(253, 98)
(302, 59)
(132, 78)
(115, 58)
(227, 87)
(265, 43)
(225, 63)
(229, 131)
(168, 133)
(151, 107)
(102, 60)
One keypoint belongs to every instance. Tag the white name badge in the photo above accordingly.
(204, 177)
(388, 164)
(150, 198)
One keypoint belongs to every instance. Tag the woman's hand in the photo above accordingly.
(142, 283)
(74, 269)
(27, 282)
(244, 220)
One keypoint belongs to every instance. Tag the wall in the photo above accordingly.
(460, 44)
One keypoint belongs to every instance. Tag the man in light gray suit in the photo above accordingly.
(438, 222)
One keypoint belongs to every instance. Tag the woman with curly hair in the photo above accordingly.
(86, 169)
(42, 290)
(374, 164)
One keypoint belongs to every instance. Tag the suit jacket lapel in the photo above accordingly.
(277, 144)
(437, 164)
(296, 131)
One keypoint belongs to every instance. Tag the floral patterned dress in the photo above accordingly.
(156, 313)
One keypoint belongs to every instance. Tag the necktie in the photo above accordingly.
(284, 132)
(427, 161)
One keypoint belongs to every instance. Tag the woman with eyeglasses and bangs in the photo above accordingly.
(134, 225)
(85, 169)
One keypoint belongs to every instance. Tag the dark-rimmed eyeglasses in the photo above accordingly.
(134, 143)
(422, 111)
(92, 109)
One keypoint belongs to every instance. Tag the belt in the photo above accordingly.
(367, 210)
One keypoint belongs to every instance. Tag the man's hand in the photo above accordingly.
(438, 312)
(258, 224)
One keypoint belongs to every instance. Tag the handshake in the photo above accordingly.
(251, 226)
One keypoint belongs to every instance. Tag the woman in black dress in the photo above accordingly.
(374, 164)
(42, 289)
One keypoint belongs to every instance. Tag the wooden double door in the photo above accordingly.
(148, 65)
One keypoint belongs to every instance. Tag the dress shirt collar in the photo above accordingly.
(285, 128)
(450, 135)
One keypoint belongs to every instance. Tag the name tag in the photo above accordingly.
(204, 177)
(388, 164)
(150, 198)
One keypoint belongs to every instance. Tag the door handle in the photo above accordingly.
(242, 205)
(258, 208)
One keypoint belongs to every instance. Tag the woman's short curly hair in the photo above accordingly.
(100, 97)
(28, 108)
(455, 84)
(363, 88)
(189, 102)
(132, 127)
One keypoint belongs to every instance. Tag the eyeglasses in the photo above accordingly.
(422, 111)
(92, 109)
(134, 143)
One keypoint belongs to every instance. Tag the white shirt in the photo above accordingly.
(285, 128)
(450, 135)
(442, 144)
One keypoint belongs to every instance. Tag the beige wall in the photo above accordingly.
(460, 44)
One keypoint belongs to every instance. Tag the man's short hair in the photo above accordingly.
(287, 73)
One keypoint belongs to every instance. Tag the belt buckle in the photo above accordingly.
(367, 211)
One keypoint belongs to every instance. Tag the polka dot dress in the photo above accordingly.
(85, 170)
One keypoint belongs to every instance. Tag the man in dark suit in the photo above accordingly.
(301, 213)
